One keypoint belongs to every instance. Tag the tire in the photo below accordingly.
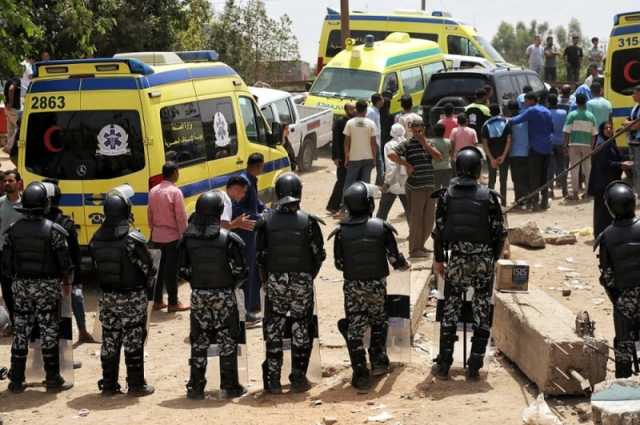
(307, 154)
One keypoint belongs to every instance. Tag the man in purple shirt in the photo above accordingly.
(540, 124)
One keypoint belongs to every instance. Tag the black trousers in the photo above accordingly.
(335, 200)
(520, 175)
(168, 274)
(7, 295)
(538, 169)
(601, 216)
(559, 163)
(504, 173)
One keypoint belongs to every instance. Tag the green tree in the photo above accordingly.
(227, 38)
(505, 40)
(196, 35)
(16, 32)
(561, 36)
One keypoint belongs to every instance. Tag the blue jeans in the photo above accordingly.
(358, 171)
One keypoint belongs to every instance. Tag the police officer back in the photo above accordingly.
(363, 249)
(36, 257)
(212, 260)
(290, 254)
(125, 271)
(470, 224)
(620, 272)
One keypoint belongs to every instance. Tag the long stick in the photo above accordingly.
(597, 149)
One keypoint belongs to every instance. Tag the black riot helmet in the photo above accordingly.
(55, 199)
(35, 199)
(209, 206)
(117, 209)
(620, 200)
(358, 199)
(288, 189)
(469, 162)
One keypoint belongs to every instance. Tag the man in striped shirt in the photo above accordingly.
(416, 155)
(580, 131)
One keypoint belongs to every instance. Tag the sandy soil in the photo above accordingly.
(409, 394)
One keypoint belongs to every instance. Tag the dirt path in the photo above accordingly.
(407, 394)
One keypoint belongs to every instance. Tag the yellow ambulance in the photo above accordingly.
(622, 66)
(98, 123)
(453, 36)
(398, 65)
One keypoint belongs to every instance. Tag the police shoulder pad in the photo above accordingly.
(389, 226)
(317, 219)
(237, 239)
(334, 232)
(137, 236)
(60, 229)
(598, 241)
(438, 193)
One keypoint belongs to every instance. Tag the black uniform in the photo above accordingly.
(125, 272)
(290, 250)
(36, 257)
(212, 260)
(363, 248)
(620, 276)
(470, 224)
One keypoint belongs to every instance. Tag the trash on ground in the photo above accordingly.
(539, 413)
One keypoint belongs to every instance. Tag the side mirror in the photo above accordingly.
(275, 138)
(307, 86)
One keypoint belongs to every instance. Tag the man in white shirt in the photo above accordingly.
(373, 113)
(360, 146)
(26, 77)
(235, 191)
(535, 54)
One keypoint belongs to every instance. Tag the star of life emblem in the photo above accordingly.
(112, 141)
(221, 129)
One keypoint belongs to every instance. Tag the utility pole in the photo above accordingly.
(344, 21)
(424, 4)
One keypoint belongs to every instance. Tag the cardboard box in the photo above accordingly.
(512, 276)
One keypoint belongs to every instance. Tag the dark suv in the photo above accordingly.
(458, 87)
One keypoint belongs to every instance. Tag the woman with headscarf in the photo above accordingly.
(395, 176)
(607, 165)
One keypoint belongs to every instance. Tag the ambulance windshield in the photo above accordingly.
(346, 83)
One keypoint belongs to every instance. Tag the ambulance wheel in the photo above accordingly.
(307, 154)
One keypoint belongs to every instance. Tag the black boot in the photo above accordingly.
(623, 369)
(479, 343)
(623, 350)
(442, 364)
(54, 381)
(361, 378)
(271, 378)
(138, 387)
(16, 373)
(110, 370)
(378, 351)
(299, 365)
(229, 383)
(197, 382)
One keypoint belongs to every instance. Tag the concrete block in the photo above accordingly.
(537, 333)
(616, 402)
(419, 295)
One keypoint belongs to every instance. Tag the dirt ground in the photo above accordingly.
(409, 394)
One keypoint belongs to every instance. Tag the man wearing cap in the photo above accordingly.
(416, 156)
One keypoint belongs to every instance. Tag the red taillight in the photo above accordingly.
(319, 65)
(154, 181)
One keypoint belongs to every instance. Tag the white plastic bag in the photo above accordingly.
(539, 413)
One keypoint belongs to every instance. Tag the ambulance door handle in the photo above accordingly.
(239, 161)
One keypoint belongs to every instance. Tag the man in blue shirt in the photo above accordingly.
(634, 134)
(560, 159)
(540, 148)
(251, 206)
(519, 155)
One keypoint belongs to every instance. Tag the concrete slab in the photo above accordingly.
(420, 276)
(616, 402)
(537, 333)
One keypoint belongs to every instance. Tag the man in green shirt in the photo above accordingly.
(442, 172)
(478, 111)
(580, 131)
(598, 105)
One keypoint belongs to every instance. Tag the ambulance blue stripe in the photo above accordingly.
(631, 29)
(54, 85)
(188, 190)
(394, 19)
(621, 112)
(109, 83)
(395, 60)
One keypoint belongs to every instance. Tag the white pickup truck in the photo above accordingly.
(310, 128)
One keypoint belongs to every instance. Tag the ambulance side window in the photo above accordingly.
(412, 81)
(254, 124)
(219, 125)
(182, 134)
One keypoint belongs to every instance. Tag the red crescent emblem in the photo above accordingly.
(627, 72)
(47, 139)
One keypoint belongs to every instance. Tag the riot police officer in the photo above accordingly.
(125, 271)
(290, 254)
(363, 248)
(620, 271)
(470, 224)
(212, 260)
(36, 257)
